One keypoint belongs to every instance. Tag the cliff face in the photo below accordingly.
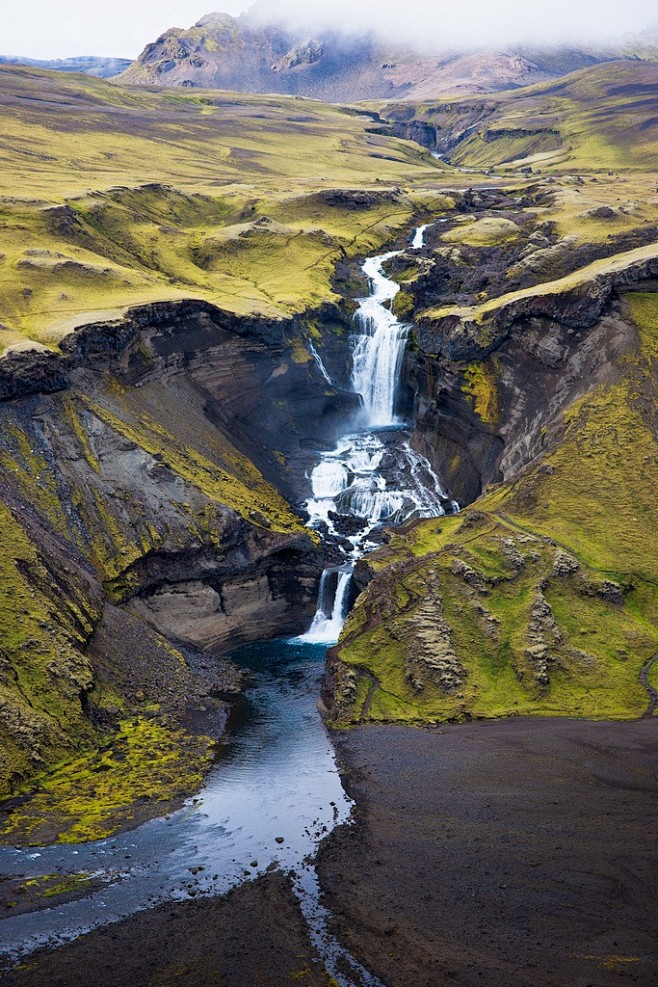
(537, 407)
(145, 534)
(477, 413)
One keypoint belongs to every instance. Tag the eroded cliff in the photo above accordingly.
(146, 536)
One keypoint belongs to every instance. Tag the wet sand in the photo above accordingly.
(510, 853)
(253, 937)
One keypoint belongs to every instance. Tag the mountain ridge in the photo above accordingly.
(255, 53)
(98, 67)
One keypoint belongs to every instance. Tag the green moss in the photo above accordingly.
(148, 767)
(43, 672)
(403, 305)
(145, 221)
(489, 232)
(480, 385)
(591, 499)
(470, 590)
(299, 352)
(55, 885)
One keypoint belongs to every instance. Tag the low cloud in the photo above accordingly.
(48, 29)
(467, 24)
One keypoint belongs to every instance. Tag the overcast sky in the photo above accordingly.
(61, 28)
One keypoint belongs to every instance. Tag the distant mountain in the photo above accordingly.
(251, 54)
(102, 68)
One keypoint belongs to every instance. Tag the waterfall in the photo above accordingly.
(320, 365)
(332, 607)
(418, 240)
(374, 476)
(379, 348)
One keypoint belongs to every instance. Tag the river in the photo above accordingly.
(275, 792)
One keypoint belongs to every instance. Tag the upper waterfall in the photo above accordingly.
(379, 348)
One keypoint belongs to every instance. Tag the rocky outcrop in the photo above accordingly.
(485, 428)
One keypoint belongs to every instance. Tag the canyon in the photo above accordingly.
(240, 399)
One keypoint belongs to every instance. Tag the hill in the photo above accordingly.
(113, 197)
(599, 118)
(100, 68)
(252, 53)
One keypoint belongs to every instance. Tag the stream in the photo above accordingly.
(275, 791)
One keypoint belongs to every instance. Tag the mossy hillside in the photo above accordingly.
(43, 671)
(475, 618)
(487, 232)
(542, 600)
(115, 531)
(595, 491)
(148, 768)
(205, 195)
(597, 118)
(116, 250)
(201, 140)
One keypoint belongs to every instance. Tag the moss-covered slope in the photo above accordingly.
(111, 197)
(542, 598)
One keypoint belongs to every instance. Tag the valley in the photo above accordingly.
(270, 366)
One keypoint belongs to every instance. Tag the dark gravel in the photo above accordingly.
(512, 853)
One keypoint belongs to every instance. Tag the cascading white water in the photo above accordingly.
(332, 608)
(278, 775)
(379, 349)
(418, 239)
(320, 365)
(374, 476)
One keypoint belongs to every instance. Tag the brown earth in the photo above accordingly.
(520, 852)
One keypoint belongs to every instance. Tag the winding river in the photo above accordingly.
(276, 792)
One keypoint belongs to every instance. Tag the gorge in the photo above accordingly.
(277, 383)
(278, 773)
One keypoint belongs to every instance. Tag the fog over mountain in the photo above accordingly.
(39, 29)
(469, 24)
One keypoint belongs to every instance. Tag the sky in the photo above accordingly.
(61, 28)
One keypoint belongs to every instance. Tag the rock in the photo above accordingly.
(564, 564)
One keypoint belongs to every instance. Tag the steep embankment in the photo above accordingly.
(539, 405)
